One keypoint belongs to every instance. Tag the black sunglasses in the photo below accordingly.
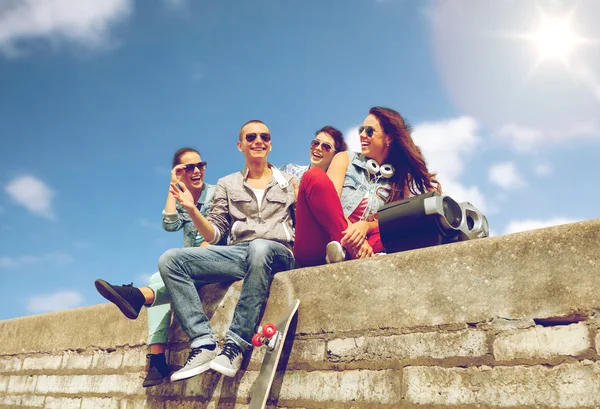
(369, 130)
(250, 137)
(191, 166)
(326, 147)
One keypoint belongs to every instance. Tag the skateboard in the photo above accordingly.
(272, 337)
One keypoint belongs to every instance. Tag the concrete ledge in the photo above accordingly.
(538, 274)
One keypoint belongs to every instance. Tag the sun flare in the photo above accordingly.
(554, 39)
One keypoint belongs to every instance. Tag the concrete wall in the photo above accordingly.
(510, 321)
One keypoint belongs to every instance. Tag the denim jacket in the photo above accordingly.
(175, 221)
(235, 209)
(357, 185)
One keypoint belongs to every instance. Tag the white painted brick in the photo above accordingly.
(542, 342)
(107, 360)
(409, 346)
(99, 403)
(10, 364)
(4, 383)
(129, 384)
(135, 358)
(62, 403)
(42, 362)
(76, 361)
(564, 386)
(32, 401)
(20, 384)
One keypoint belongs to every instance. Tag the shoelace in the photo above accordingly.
(193, 353)
(128, 287)
(230, 350)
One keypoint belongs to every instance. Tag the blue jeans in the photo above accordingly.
(255, 262)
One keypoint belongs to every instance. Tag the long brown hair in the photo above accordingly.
(411, 174)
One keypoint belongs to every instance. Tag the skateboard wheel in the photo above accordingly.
(269, 330)
(257, 340)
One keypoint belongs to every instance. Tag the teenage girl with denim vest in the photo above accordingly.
(187, 169)
(336, 212)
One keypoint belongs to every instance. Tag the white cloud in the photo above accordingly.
(526, 139)
(542, 169)
(523, 225)
(506, 175)
(84, 22)
(60, 300)
(445, 145)
(55, 258)
(352, 139)
(33, 194)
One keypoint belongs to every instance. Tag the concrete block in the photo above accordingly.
(304, 352)
(128, 384)
(564, 386)
(99, 403)
(10, 401)
(107, 360)
(21, 384)
(134, 358)
(51, 362)
(32, 401)
(468, 343)
(356, 386)
(140, 404)
(10, 364)
(62, 403)
(73, 360)
(504, 324)
(542, 342)
(4, 382)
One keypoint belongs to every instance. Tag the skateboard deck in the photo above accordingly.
(262, 386)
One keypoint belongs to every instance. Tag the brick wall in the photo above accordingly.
(504, 322)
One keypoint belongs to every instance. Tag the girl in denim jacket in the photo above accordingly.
(188, 169)
(336, 212)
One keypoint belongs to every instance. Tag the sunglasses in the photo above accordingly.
(324, 145)
(191, 166)
(369, 130)
(250, 137)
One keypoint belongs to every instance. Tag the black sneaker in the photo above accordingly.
(157, 370)
(128, 298)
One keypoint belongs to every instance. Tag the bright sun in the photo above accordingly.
(554, 38)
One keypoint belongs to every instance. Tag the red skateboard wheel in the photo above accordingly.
(257, 340)
(269, 330)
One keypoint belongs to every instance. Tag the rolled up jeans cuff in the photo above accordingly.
(244, 345)
(208, 339)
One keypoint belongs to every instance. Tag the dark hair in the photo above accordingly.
(338, 137)
(410, 167)
(180, 152)
(252, 121)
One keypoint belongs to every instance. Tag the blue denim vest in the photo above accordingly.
(357, 185)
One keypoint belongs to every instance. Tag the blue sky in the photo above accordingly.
(96, 96)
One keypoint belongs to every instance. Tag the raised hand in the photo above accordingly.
(176, 173)
(182, 195)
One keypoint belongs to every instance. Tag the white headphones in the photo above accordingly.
(386, 171)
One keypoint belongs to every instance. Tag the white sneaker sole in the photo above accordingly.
(222, 369)
(186, 374)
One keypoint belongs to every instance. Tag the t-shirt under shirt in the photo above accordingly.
(259, 193)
